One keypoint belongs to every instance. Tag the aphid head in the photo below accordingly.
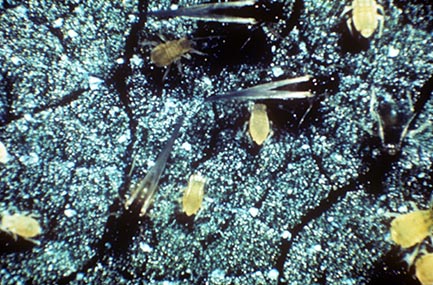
(185, 43)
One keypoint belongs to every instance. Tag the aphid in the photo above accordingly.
(366, 16)
(259, 125)
(193, 194)
(393, 122)
(21, 225)
(4, 156)
(142, 195)
(412, 228)
(168, 52)
(424, 269)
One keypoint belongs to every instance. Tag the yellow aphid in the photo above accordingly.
(259, 126)
(4, 156)
(193, 194)
(410, 229)
(424, 269)
(21, 225)
(366, 16)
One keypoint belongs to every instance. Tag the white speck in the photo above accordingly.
(21, 10)
(58, 23)
(94, 82)
(286, 235)
(150, 163)
(330, 219)
(70, 164)
(70, 213)
(186, 146)
(277, 71)
(380, 211)
(170, 107)
(16, 60)
(120, 60)
(132, 18)
(174, 7)
(239, 165)
(217, 274)
(305, 147)
(207, 81)
(273, 274)
(273, 49)
(30, 159)
(253, 212)
(421, 175)
(79, 276)
(28, 117)
(136, 61)
(72, 34)
(393, 52)
(338, 157)
(317, 247)
(122, 139)
(145, 247)
(402, 209)
(79, 10)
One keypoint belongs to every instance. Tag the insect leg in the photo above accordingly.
(346, 10)
(149, 43)
(197, 52)
(166, 73)
(163, 38)
(349, 25)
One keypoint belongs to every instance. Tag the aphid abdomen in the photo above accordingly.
(365, 20)
(424, 269)
(193, 195)
(24, 226)
(169, 52)
(162, 55)
(365, 17)
(259, 128)
(409, 229)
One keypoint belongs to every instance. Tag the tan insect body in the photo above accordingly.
(365, 17)
(166, 53)
(193, 194)
(424, 269)
(259, 126)
(21, 225)
(410, 229)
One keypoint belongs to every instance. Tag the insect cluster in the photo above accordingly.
(366, 16)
